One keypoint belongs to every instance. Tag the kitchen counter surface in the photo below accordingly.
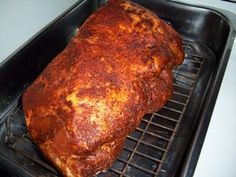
(20, 20)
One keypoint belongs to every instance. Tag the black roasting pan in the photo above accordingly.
(167, 143)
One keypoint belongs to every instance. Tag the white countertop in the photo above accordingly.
(20, 20)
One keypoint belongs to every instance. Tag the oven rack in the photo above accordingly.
(145, 149)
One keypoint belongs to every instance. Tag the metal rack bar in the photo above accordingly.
(148, 144)
(153, 134)
(161, 126)
(191, 67)
(165, 117)
(178, 102)
(137, 166)
(172, 109)
(184, 75)
(180, 94)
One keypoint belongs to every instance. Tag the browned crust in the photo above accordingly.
(95, 92)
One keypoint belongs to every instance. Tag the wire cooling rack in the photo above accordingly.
(145, 149)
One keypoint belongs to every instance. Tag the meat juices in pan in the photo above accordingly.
(96, 91)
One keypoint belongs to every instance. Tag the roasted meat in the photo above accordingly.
(96, 91)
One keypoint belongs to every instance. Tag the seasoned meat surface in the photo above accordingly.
(96, 91)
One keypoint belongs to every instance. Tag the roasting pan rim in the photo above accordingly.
(213, 92)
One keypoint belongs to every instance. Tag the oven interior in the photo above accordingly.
(161, 144)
